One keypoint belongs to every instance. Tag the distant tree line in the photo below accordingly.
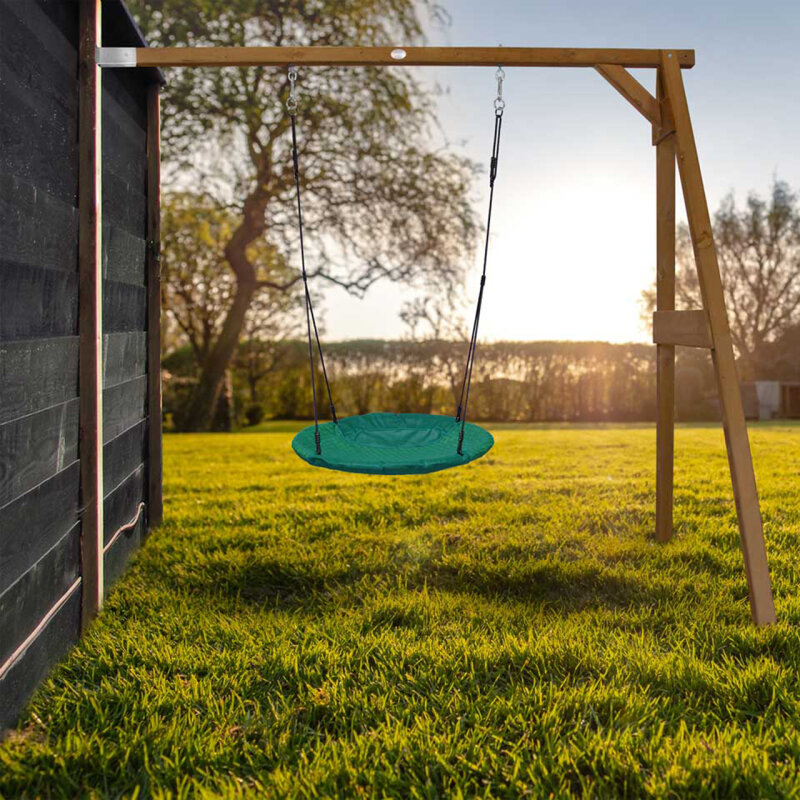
(268, 375)
(513, 381)
(231, 288)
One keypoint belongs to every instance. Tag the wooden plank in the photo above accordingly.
(36, 447)
(125, 357)
(38, 142)
(35, 54)
(124, 454)
(739, 457)
(124, 128)
(37, 303)
(665, 353)
(50, 29)
(91, 311)
(63, 16)
(121, 502)
(124, 405)
(685, 328)
(35, 521)
(33, 594)
(119, 553)
(37, 229)
(36, 374)
(127, 91)
(123, 150)
(415, 56)
(19, 678)
(124, 256)
(124, 307)
(124, 205)
(155, 501)
(632, 91)
(128, 528)
(667, 126)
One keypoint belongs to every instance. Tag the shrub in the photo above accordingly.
(254, 413)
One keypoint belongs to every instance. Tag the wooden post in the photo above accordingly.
(155, 458)
(741, 464)
(90, 273)
(665, 301)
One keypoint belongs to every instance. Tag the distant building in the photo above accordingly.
(771, 399)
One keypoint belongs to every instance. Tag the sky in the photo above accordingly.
(573, 231)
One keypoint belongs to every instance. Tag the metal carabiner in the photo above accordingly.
(499, 103)
(291, 103)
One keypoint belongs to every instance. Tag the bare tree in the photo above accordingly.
(266, 329)
(381, 201)
(197, 287)
(759, 254)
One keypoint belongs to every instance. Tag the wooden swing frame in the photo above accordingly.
(673, 138)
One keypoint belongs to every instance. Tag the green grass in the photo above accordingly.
(501, 630)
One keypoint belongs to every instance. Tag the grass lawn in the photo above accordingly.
(509, 628)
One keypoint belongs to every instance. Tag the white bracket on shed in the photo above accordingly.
(116, 56)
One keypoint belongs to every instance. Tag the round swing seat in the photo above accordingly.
(392, 444)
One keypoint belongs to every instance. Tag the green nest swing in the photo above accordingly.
(392, 444)
(383, 443)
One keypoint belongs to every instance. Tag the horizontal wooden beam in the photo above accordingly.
(632, 91)
(386, 56)
(686, 328)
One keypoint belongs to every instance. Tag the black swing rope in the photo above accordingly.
(463, 400)
(311, 321)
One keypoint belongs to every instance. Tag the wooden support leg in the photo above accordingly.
(665, 301)
(154, 449)
(90, 276)
(741, 464)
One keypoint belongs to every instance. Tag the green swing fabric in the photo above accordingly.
(392, 444)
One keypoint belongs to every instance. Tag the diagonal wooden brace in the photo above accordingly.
(632, 91)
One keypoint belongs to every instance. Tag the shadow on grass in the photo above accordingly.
(568, 586)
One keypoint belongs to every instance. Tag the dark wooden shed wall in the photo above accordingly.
(39, 468)
(124, 139)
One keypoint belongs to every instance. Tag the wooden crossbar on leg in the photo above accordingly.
(737, 443)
